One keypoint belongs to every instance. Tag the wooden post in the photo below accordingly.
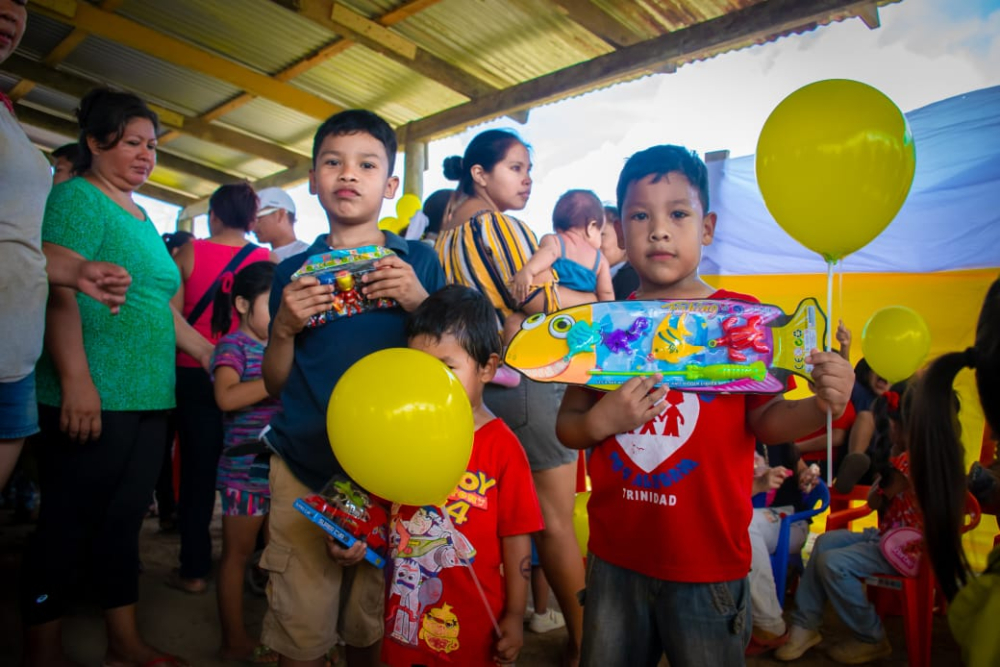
(415, 157)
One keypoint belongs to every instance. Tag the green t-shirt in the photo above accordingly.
(131, 355)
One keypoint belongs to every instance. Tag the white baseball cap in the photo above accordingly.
(271, 199)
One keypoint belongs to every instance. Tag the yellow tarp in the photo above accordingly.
(949, 302)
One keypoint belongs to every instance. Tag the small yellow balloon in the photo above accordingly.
(390, 224)
(407, 205)
(400, 424)
(581, 521)
(895, 342)
(835, 161)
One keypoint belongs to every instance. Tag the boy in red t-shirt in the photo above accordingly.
(669, 510)
(435, 610)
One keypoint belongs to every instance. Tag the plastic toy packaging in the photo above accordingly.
(348, 514)
(344, 268)
(702, 345)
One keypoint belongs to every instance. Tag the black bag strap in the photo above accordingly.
(209, 294)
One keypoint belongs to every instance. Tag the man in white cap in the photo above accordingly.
(275, 219)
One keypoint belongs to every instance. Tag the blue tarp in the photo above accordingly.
(950, 221)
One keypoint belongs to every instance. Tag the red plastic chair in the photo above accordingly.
(912, 597)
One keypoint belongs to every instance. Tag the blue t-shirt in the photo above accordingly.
(322, 354)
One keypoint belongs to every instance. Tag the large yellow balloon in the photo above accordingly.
(400, 424)
(895, 341)
(581, 521)
(407, 205)
(835, 162)
(390, 224)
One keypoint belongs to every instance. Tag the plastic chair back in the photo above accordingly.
(816, 502)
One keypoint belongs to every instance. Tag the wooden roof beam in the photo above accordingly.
(595, 20)
(755, 22)
(374, 35)
(166, 194)
(61, 126)
(78, 86)
(147, 40)
(282, 179)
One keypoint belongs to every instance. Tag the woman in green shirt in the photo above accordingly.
(105, 385)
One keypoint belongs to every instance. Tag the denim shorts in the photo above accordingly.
(633, 619)
(18, 408)
(530, 410)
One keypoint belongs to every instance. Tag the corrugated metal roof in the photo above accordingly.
(170, 86)
(361, 78)
(502, 43)
(256, 33)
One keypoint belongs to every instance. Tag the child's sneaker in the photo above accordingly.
(856, 652)
(547, 622)
(799, 641)
(762, 641)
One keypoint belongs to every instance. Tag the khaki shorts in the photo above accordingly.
(312, 601)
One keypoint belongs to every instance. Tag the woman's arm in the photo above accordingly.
(189, 340)
(546, 255)
(104, 282)
(605, 290)
(231, 393)
(80, 414)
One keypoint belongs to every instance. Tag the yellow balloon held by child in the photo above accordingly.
(400, 424)
(895, 342)
(827, 139)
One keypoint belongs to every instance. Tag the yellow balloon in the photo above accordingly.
(895, 341)
(389, 224)
(400, 424)
(407, 205)
(581, 521)
(835, 162)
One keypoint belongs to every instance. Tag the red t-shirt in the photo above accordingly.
(844, 422)
(669, 499)
(434, 613)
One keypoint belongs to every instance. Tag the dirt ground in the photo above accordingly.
(188, 625)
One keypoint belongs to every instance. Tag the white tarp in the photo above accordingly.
(950, 221)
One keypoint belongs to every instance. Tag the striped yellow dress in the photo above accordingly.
(485, 253)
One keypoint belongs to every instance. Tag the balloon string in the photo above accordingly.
(468, 564)
(829, 414)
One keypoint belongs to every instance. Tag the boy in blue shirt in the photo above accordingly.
(353, 156)
(670, 470)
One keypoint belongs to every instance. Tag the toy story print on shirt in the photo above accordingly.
(421, 547)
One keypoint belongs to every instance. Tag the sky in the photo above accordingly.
(924, 51)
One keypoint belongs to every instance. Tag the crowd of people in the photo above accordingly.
(215, 340)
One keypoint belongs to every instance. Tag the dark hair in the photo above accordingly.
(891, 407)
(486, 149)
(659, 161)
(235, 205)
(936, 452)
(434, 208)
(70, 152)
(462, 312)
(576, 208)
(103, 115)
(178, 239)
(354, 121)
(250, 282)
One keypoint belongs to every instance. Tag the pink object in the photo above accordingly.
(902, 547)
(209, 260)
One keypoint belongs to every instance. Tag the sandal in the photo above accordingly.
(264, 655)
(179, 583)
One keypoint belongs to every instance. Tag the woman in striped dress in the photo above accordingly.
(482, 247)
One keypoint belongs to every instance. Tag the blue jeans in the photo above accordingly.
(839, 562)
(630, 619)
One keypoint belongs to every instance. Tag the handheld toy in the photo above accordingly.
(344, 268)
(704, 345)
(348, 514)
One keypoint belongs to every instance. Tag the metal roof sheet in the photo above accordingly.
(269, 119)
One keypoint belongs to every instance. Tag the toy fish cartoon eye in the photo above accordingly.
(533, 321)
(560, 325)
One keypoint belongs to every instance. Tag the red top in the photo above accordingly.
(844, 422)
(209, 260)
(902, 509)
(669, 499)
(434, 613)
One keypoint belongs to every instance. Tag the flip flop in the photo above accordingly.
(852, 468)
(179, 583)
(264, 655)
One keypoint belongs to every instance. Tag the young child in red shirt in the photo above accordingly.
(435, 611)
(669, 510)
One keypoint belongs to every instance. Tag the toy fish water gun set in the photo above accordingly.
(344, 268)
(349, 514)
(705, 345)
